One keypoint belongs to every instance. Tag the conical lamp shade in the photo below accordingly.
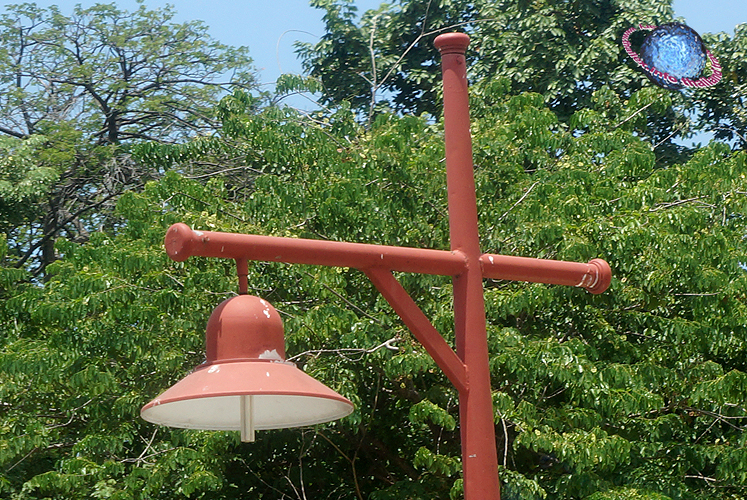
(245, 384)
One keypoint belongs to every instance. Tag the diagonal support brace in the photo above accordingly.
(420, 326)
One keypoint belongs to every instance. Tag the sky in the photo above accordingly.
(269, 27)
(712, 16)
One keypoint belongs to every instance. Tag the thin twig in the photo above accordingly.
(147, 445)
(277, 44)
(425, 34)
(374, 87)
(662, 206)
(341, 297)
(364, 432)
(701, 476)
(72, 416)
(669, 136)
(341, 352)
(520, 200)
(202, 176)
(723, 418)
(144, 459)
(505, 439)
(715, 421)
(734, 131)
(27, 455)
(355, 479)
(633, 115)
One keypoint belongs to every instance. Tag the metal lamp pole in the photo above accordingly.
(468, 367)
(479, 454)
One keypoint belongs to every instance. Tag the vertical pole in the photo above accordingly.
(479, 453)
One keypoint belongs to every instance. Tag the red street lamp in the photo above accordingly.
(245, 384)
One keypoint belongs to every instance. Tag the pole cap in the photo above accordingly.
(603, 277)
(452, 43)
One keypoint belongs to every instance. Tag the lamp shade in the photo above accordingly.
(245, 384)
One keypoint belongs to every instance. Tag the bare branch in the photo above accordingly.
(633, 115)
(519, 201)
(344, 352)
(664, 206)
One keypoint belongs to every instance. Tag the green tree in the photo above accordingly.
(118, 75)
(722, 107)
(57, 184)
(638, 393)
(77, 92)
(565, 51)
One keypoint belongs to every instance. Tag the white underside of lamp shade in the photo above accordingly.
(211, 398)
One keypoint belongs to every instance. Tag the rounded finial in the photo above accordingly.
(452, 43)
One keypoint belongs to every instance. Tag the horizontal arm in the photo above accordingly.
(595, 276)
(182, 243)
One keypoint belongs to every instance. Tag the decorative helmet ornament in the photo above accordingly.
(673, 56)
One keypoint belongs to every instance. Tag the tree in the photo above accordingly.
(57, 184)
(118, 75)
(638, 393)
(23, 180)
(385, 62)
(77, 92)
(565, 51)
(723, 107)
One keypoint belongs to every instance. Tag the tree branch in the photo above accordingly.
(51, 234)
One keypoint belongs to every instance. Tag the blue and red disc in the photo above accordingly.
(673, 56)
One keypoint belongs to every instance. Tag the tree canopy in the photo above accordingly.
(564, 51)
(638, 393)
(77, 90)
(118, 75)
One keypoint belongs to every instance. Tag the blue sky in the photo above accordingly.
(712, 16)
(269, 27)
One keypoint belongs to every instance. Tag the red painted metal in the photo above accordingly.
(243, 328)
(468, 368)
(242, 271)
(245, 357)
(479, 454)
(595, 276)
(182, 242)
(421, 327)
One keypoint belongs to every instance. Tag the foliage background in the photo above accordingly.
(637, 393)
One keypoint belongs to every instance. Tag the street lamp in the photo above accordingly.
(245, 384)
